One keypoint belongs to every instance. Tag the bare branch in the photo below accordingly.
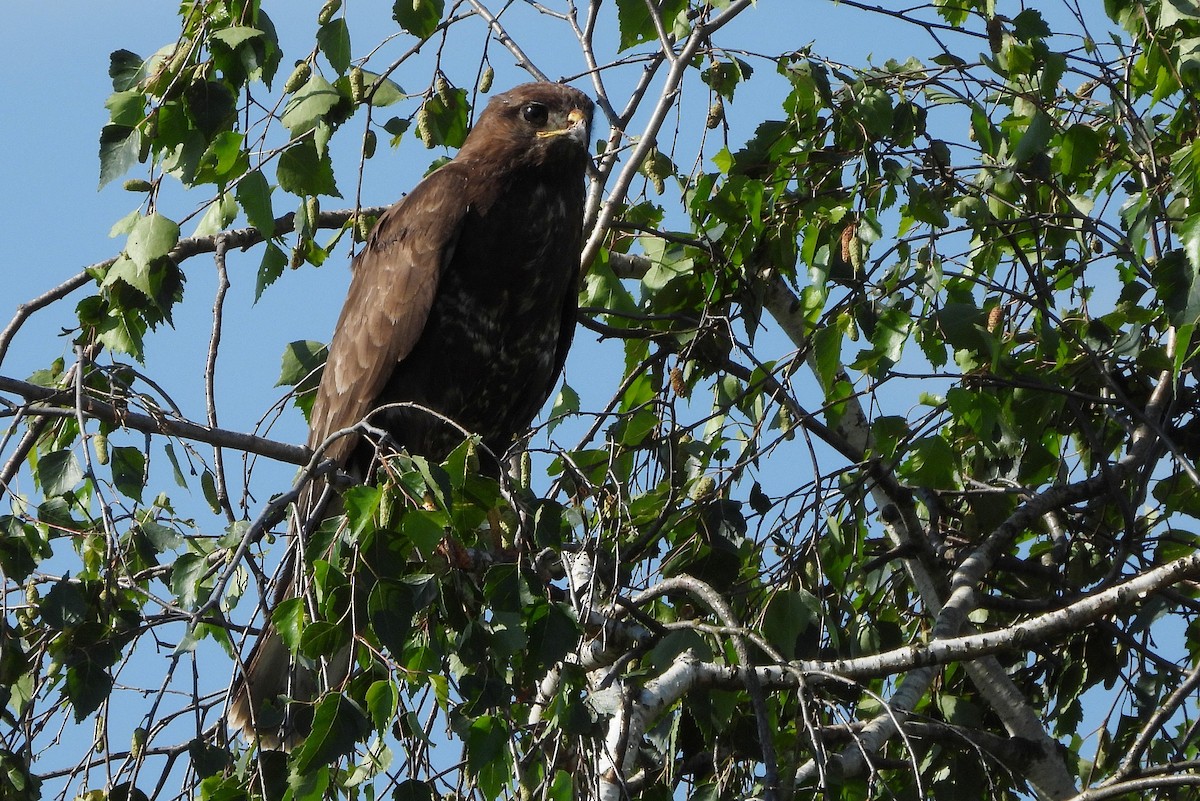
(56, 403)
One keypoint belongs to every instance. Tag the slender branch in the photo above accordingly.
(706, 594)
(523, 60)
(1139, 787)
(56, 403)
(210, 374)
(1158, 719)
(1048, 772)
(238, 238)
(26, 310)
(1043, 629)
(666, 102)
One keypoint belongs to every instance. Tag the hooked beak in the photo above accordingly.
(577, 125)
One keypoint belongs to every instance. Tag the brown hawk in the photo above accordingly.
(462, 302)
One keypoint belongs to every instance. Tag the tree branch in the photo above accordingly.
(59, 403)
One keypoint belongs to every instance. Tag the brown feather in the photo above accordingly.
(391, 291)
(463, 301)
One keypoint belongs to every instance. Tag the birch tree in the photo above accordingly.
(875, 480)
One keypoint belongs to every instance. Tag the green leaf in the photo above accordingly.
(636, 24)
(323, 638)
(186, 576)
(567, 402)
(668, 650)
(384, 92)
(162, 538)
(874, 108)
(309, 784)
(124, 269)
(64, 606)
(334, 40)
(126, 108)
(932, 462)
(418, 17)
(635, 429)
(338, 724)
(220, 214)
(361, 504)
(119, 148)
(1080, 148)
(1177, 276)
(88, 686)
(889, 336)
(1189, 234)
(151, 238)
(208, 485)
(554, 635)
(122, 331)
(414, 790)
(425, 529)
(125, 69)
(273, 262)
(208, 759)
(982, 130)
(235, 35)
(211, 105)
(309, 105)
(1179, 494)
(1029, 24)
(303, 172)
(436, 480)
(383, 701)
(253, 194)
(179, 479)
(288, 618)
(223, 160)
(789, 613)
(58, 472)
(1173, 12)
(724, 76)
(20, 547)
(827, 352)
(446, 122)
(487, 742)
(390, 608)
(301, 364)
(1035, 138)
(129, 471)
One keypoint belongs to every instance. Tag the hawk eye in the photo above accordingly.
(535, 113)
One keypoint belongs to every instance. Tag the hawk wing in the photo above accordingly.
(391, 292)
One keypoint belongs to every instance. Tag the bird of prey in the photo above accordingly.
(462, 302)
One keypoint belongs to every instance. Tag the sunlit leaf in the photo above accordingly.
(151, 238)
(310, 105)
(58, 472)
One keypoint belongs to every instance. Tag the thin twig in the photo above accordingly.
(56, 403)
(210, 372)
(523, 60)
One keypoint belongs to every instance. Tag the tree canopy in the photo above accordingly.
(872, 476)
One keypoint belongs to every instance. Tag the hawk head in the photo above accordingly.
(532, 125)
